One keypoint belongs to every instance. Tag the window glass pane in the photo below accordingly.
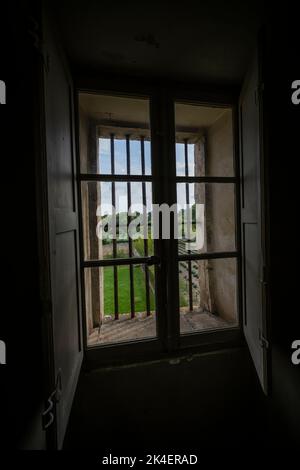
(135, 157)
(207, 291)
(180, 160)
(103, 325)
(209, 218)
(99, 232)
(104, 156)
(208, 134)
(143, 245)
(122, 248)
(104, 116)
(120, 157)
(191, 159)
(147, 144)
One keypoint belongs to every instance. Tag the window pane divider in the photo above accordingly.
(114, 177)
(217, 255)
(207, 179)
(130, 248)
(148, 260)
(187, 200)
(147, 280)
(113, 200)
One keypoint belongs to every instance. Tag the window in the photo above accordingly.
(116, 199)
(206, 185)
(130, 234)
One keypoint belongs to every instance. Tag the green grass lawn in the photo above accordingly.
(124, 290)
(139, 283)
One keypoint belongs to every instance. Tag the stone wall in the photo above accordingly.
(217, 278)
(220, 217)
(90, 200)
(200, 198)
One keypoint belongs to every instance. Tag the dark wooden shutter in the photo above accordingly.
(252, 218)
(63, 227)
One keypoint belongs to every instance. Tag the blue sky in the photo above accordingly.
(120, 157)
(180, 160)
(136, 169)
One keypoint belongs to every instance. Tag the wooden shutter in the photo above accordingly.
(252, 218)
(63, 237)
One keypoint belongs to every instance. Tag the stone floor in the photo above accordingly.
(128, 329)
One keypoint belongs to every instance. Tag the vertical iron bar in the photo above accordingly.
(113, 197)
(146, 251)
(131, 274)
(187, 195)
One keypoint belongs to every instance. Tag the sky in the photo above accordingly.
(136, 169)
(120, 157)
(180, 160)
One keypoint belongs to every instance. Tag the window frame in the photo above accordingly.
(199, 337)
(162, 124)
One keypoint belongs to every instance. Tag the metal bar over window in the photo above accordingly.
(131, 274)
(113, 197)
(145, 225)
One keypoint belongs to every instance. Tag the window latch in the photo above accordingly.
(153, 260)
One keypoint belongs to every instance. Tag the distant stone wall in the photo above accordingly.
(92, 245)
(214, 281)
(219, 280)
(201, 198)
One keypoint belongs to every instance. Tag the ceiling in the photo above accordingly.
(113, 110)
(107, 108)
(205, 41)
(193, 116)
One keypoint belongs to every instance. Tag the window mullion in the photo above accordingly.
(113, 200)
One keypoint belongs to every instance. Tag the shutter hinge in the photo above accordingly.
(48, 414)
(34, 32)
(263, 340)
(264, 278)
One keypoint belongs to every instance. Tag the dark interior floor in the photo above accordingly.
(209, 400)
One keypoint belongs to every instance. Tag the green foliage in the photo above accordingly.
(139, 245)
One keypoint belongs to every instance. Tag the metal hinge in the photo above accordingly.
(263, 340)
(48, 414)
(264, 278)
(34, 32)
